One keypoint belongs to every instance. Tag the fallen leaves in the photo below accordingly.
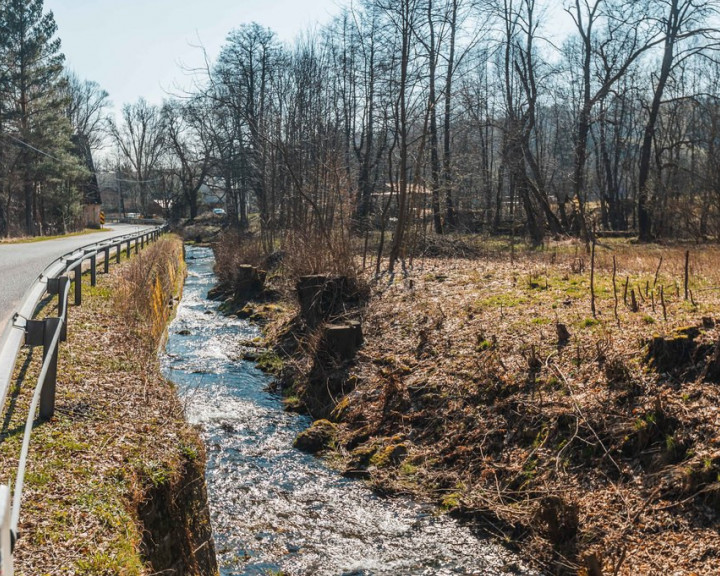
(501, 400)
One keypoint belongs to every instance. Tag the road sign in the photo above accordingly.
(102, 218)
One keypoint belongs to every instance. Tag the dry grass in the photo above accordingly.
(501, 417)
(308, 254)
(145, 292)
(296, 255)
(118, 429)
(581, 451)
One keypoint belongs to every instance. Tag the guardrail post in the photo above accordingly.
(93, 270)
(106, 262)
(137, 245)
(128, 249)
(117, 253)
(6, 540)
(78, 283)
(142, 241)
(47, 395)
(58, 286)
(41, 332)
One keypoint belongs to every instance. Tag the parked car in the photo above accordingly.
(219, 211)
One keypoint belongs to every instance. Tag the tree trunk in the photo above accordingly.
(29, 194)
(451, 215)
(399, 238)
(432, 106)
(645, 232)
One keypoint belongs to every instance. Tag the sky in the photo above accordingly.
(139, 48)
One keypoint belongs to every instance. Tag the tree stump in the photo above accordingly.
(563, 333)
(356, 325)
(711, 373)
(249, 282)
(674, 351)
(342, 340)
(320, 297)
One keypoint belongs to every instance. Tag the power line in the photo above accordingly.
(31, 147)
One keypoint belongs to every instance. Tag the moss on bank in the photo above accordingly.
(114, 482)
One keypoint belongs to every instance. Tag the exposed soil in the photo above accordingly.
(589, 442)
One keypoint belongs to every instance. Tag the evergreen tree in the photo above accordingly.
(33, 96)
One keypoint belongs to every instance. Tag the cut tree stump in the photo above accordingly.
(711, 373)
(320, 297)
(563, 333)
(342, 340)
(666, 353)
(249, 282)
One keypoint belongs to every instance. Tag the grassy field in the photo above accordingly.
(31, 239)
(587, 439)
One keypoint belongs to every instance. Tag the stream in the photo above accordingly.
(277, 510)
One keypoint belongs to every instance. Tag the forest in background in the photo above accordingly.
(406, 117)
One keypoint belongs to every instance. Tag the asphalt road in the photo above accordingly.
(20, 264)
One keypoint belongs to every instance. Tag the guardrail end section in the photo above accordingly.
(6, 560)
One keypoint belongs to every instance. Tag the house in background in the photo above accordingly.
(117, 196)
(92, 202)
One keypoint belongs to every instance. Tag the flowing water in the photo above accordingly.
(275, 509)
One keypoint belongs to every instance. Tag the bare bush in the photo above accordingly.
(311, 253)
(234, 249)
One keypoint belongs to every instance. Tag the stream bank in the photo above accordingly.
(587, 439)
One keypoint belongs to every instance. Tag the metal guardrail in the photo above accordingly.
(48, 332)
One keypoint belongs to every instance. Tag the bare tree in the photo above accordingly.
(404, 18)
(190, 148)
(141, 143)
(612, 36)
(682, 22)
(86, 106)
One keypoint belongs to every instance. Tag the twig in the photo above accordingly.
(580, 413)
(614, 282)
(592, 280)
(620, 561)
(640, 294)
(657, 272)
(625, 290)
(662, 302)
(687, 272)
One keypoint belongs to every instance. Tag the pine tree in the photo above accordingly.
(5, 156)
(32, 84)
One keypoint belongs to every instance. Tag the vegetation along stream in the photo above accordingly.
(275, 509)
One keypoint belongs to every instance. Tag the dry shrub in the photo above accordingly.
(234, 249)
(446, 247)
(147, 285)
(308, 253)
